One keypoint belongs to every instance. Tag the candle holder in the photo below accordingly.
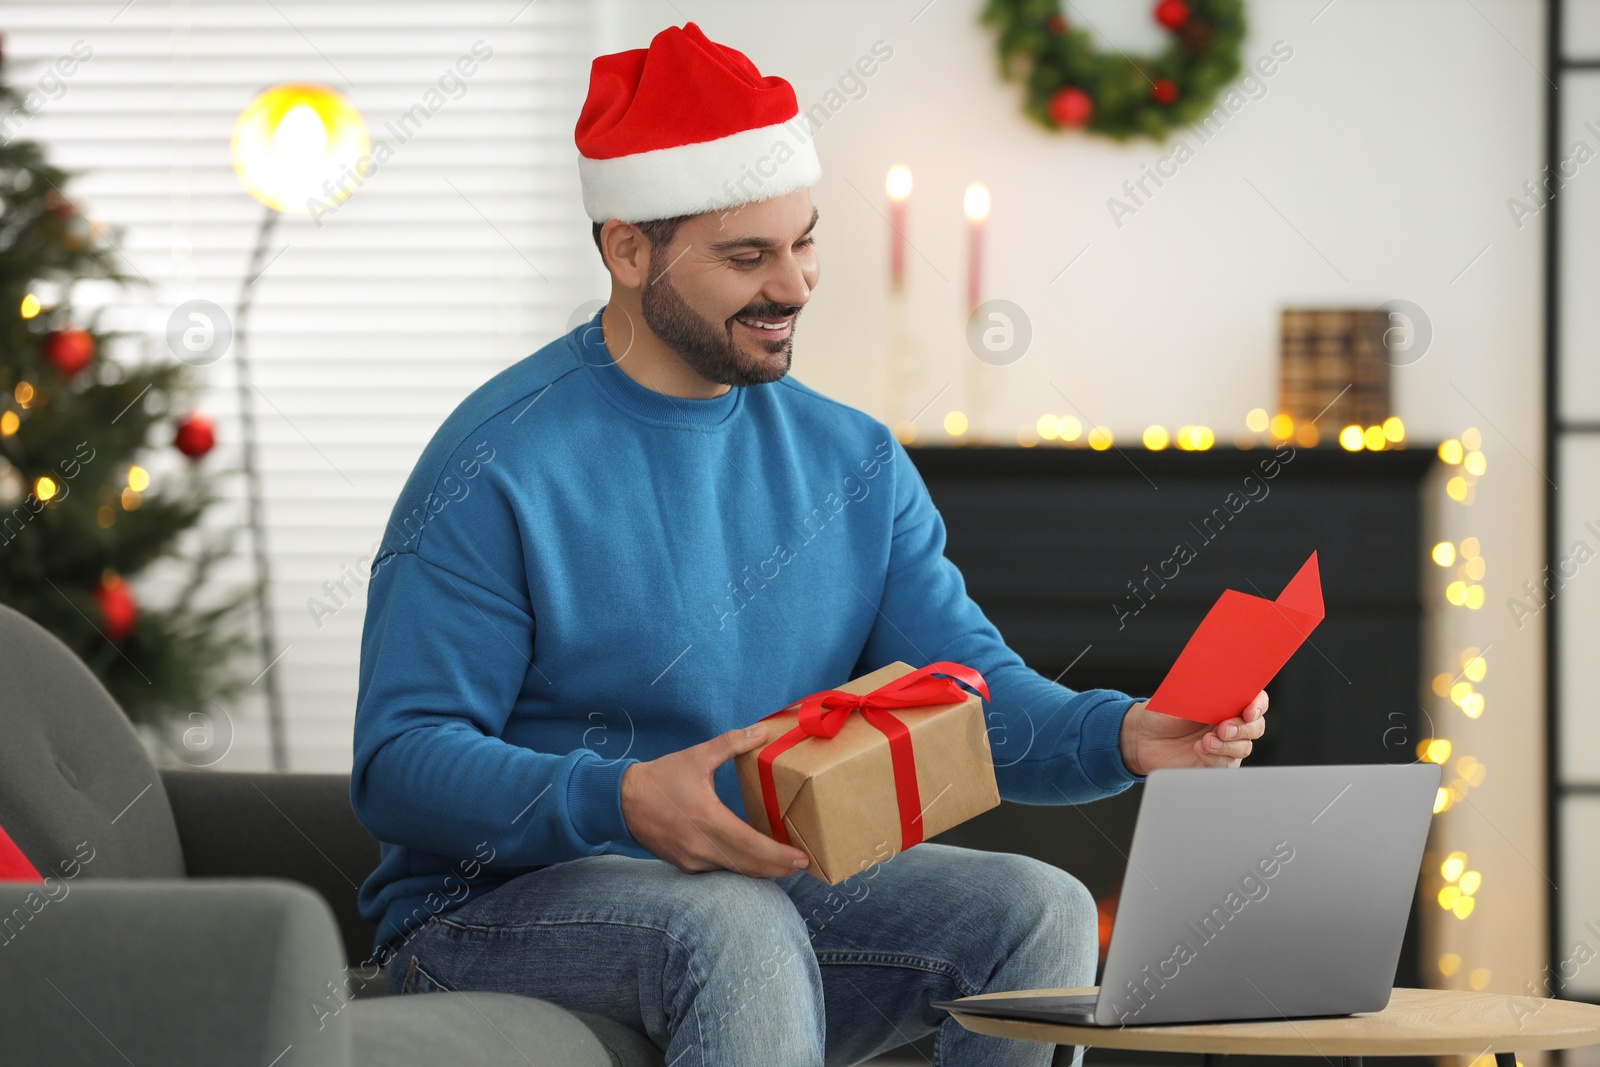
(903, 370)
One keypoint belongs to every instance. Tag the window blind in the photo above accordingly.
(461, 253)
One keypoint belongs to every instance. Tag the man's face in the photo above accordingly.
(726, 273)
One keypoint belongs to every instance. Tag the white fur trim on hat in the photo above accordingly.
(690, 179)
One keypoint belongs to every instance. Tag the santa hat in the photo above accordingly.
(687, 126)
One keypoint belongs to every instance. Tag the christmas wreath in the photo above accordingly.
(1072, 85)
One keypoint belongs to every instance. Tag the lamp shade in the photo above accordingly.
(297, 147)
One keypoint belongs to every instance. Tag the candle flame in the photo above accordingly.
(898, 183)
(976, 202)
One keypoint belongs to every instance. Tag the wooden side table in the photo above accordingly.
(1416, 1022)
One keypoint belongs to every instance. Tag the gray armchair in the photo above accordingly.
(198, 917)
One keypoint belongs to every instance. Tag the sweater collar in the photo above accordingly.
(644, 403)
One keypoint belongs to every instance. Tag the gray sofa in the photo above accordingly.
(200, 917)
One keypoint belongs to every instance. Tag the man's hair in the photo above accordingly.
(659, 232)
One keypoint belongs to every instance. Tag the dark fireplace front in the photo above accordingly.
(1075, 556)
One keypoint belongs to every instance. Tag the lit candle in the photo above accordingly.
(898, 185)
(977, 207)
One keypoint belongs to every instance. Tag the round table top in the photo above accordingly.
(1419, 1022)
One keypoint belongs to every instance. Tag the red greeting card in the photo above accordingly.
(1241, 643)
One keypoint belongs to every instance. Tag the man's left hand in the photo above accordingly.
(1151, 740)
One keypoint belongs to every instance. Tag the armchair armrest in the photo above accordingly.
(162, 971)
(263, 825)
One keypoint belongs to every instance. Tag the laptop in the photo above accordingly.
(1256, 893)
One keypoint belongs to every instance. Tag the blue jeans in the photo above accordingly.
(722, 970)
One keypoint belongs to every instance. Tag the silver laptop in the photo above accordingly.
(1256, 893)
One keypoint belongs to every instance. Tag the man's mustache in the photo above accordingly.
(769, 311)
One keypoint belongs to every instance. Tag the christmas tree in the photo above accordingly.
(80, 515)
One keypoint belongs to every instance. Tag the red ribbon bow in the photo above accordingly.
(823, 714)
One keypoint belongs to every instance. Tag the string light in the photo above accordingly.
(1282, 428)
(9, 423)
(955, 423)
(30, 306)
(1434, 749)
(1459, 895)
(45, 488)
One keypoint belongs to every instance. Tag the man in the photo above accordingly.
(622, 551)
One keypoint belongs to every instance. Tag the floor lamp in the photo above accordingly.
(296, 148)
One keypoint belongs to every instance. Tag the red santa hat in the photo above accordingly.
(687, 126)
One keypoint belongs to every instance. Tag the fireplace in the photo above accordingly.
(1072, 554)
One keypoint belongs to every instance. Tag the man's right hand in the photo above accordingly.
(673, 810)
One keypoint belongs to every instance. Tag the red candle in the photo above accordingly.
(976, 204)
(898, 186)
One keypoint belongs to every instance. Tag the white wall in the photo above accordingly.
(1376, 166)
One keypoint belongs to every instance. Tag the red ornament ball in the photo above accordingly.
(119, 612)
(1172, 14)
(1058, 24)
(1070, 106)
(69, 351)
(1164, 91)
(195, 436)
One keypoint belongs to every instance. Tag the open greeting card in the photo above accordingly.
(1239, 646)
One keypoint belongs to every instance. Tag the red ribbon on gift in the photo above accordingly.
(823, 714)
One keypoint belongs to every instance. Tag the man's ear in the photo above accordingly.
(627, 253)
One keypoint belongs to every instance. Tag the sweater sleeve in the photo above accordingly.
(1050, 744)
(446, 648)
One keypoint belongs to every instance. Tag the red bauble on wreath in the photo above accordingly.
(1163, 90)
(119, 612)
(1070, 106)
(68, 351)
(1172, 14)
(195, 436)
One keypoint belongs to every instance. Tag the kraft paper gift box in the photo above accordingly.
(891, 776)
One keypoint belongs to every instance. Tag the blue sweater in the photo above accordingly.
(581, 572)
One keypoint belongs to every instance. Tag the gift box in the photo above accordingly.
(853, 775)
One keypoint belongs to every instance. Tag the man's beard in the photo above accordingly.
(708, 349)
